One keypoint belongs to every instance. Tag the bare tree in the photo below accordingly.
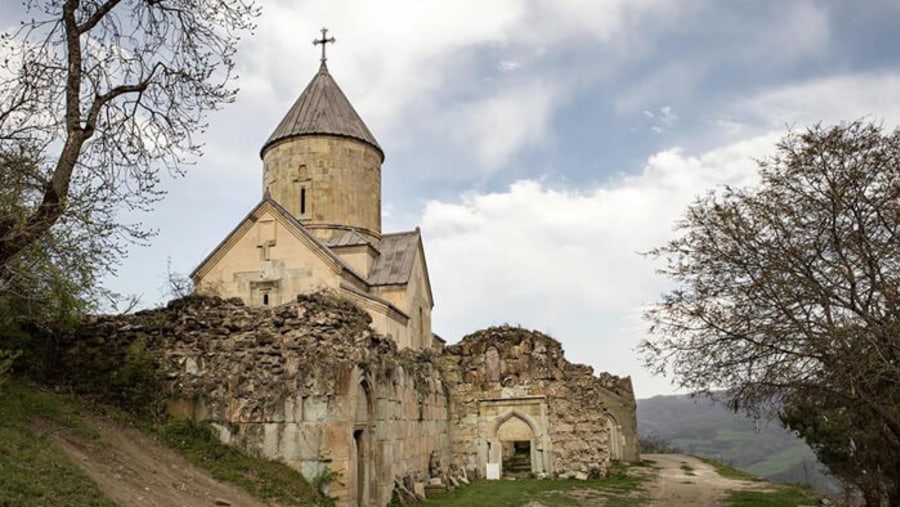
(177, 285)
(787, 294)
(100, 96)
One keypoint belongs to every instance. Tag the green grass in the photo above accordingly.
(622, 488)
(783, 496)
(688, 469)
(782, 460)
(260, 477)
(32, 471)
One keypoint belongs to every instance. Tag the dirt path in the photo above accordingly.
(133, 469)
(685, 481)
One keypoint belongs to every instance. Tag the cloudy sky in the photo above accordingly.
(540, 145)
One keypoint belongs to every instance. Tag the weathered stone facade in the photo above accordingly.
(311, 384)
(318, 225)
(331, 184)
(512, 385)
(307, 383)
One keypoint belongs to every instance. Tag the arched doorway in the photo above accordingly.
(615, 438)
(517, 446)
(360, 469)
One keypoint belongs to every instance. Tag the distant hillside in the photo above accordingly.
(698, 426)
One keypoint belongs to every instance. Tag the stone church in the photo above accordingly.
(309, 341)
(318, 225)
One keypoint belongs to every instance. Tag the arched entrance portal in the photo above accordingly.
(517, 447)
(360, 469)
(615, 438)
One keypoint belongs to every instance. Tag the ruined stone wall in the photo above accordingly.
(503, 377)
(311, 384)
(308, 383)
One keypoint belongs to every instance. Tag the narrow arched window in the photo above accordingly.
(266, 299)
(302, 200)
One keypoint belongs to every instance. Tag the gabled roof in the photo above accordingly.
(293, 223)
(349, 238)
(394, 265)
(322, 108)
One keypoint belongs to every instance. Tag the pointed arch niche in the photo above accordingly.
(616, 439)
(513, 433)
(360, 475)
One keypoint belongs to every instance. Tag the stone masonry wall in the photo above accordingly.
(505, 373)
(307, 383)
(311, 384)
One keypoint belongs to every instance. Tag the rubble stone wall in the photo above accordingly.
(504, 372)
(306, 383)
(311, 384)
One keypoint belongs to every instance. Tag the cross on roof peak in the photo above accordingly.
(324, 40)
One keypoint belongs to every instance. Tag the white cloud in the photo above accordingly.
(498, 126)
(509, 65)
(664, 119)
(801, 31)
(399, 60)
(674, 82)
(566, 260)
(667, 116)
(829, 100)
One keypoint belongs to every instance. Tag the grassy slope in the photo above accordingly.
(783, 496)
(778, 495)
(35, 473)
(260, 477)
(701, 428)
(622, 488)
(32, 471)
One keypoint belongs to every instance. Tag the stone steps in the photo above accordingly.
(518, 465)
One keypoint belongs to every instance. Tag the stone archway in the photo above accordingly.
(360, 471)
(517, 445)
(616, 447)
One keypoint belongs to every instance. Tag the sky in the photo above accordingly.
(541, 146)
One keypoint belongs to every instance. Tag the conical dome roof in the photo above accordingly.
(322, 108)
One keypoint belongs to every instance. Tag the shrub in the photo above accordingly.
(135, 386)
(6, 360)
(654, 443)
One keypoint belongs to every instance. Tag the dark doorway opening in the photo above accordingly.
(517, 458)
(360, 445)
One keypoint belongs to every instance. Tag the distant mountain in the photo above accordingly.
(702, 427)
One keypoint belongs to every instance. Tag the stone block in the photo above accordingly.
(308, 440)
(336, 439)
(223, 433)
(271, 440)
(315, 409)
(309, 469)
(289, 449)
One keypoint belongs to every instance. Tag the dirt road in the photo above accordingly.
(132, 468)
(685, 481)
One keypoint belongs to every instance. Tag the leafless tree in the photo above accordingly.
(99, 96)
(787, 294)
(177, 285)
